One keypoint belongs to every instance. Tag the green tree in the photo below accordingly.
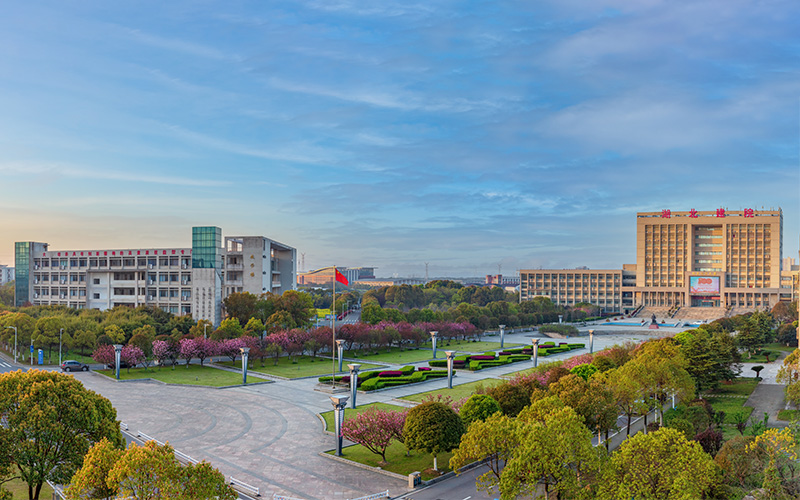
(47, 332)
(90, 480)
(115, 333)
(299, 305)
(511, 398)
(203, 328)
(478, 407)
(660, 465)
(280, 320)
(493, 440)
(254, 328)
(242, 306)
(51, 422)
(229, 328)
(711, 356)
(432, 427)
(554, 450)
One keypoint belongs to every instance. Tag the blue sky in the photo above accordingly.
(463, 134)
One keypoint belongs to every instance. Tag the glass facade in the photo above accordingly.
(206, 247)
(22, 261)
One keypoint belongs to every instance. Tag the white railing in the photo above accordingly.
(275, 496)
(183, 457)
(146, 438)
(374, 496)
(123, 426)
(244, 486)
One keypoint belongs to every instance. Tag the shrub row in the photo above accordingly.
(418, 376)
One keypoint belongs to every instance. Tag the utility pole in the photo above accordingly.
(426, 271)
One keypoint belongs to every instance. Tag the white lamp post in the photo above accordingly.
(340, 351)
(535, 352)
(591, 341)
(502, 336)
(339, 403)
(117, 354)
(353, 383)
(15, 342)
(245, 355)
(433, 339)
(205, 325)
(60, 333)
(450, 357)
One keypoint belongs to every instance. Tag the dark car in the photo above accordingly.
(112, 366)
(73, 366)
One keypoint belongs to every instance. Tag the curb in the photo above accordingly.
(362, 466)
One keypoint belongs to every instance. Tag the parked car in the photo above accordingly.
(112, 366)
(73, 366)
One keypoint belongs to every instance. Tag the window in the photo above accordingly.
(96, 296)
(96, 281)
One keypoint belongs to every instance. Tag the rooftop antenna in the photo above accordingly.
(499, 268)
(303, 261)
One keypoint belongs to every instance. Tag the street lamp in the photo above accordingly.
(433, 339)
(245, 355)
(117, 354)
(450, 357)
(340, 351)
(353, 383)
(60, 333)
(339, 403)
(205, 325)
(15, 342)
(591, 341)
(535, 352)
(502, 335)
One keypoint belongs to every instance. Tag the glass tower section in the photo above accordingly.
(22, 262)
(206, 247)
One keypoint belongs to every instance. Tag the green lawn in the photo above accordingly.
(458, 391)
(777, 346)
(742, 386)
(394, 356)
(730, 406)
(193, 375)
(350, 413)
(302, 366)
(788, 415)
(19, 489)
(397, 461)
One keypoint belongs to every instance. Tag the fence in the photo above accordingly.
(374, 496)
(239, 485)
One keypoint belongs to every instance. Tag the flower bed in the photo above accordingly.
(369, 381)
(480, 361)
(391, 373)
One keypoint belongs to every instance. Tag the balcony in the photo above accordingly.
(235, 267)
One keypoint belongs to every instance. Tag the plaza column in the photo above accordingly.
(535, 352)
(340, 351)
(560, 318)
(353, 383)
(591, 341)
(117, 354)
(450, 357)
(245, 356)
(502, 336)
(433, 340)
(339, 403)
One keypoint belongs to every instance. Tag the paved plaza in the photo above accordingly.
(270, 436)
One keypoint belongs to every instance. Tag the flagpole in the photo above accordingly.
(333, 343)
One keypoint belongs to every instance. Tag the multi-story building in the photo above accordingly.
(6, 274)
(717, 258)
(181, 280)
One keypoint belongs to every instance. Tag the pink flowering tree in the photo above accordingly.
(231, 348)
(206, 348)
(104, 355)
(165, 352)
(375, 429)
(188, 350)
(132, 355)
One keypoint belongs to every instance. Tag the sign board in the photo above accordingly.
(41, 357)
(704, 284)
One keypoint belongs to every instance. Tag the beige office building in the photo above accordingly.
(692, 259)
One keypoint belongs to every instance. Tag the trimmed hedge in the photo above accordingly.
(418, 376)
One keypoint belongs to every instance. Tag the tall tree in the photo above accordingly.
(494, 440)
(51, 422)
(432, 427)
(241, 306)
(661, 465)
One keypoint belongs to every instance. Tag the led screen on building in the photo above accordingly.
(704, 284)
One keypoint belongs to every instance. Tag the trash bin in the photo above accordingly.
(414, 479)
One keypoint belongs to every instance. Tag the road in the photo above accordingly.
(5, 366)
(460, 488)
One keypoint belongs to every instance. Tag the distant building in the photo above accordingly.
(6, 274)
(181, 280)
(324, 276)
(694, 259)
(503, 281)
(379, 282)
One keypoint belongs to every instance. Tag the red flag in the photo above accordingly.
(341, 277)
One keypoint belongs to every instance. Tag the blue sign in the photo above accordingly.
(41, 357)
(31, 348)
